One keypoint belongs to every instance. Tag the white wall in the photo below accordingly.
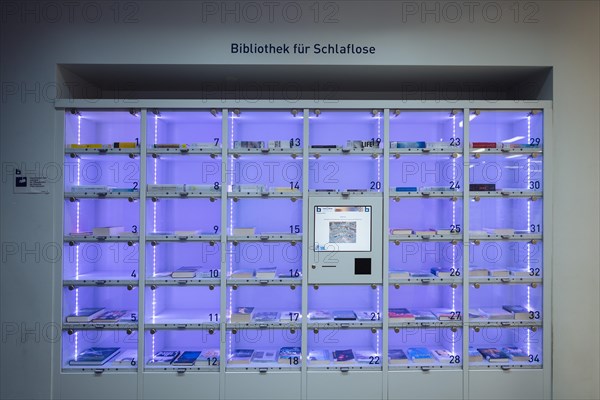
(35, 38)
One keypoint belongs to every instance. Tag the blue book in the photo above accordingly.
(419, 354)
(406, 189)
(95, 356)
(406, 145)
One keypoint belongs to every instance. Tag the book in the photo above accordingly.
(247, 188)
(420, 274)
(290, 316)
(443, 355)
(112, 316)
(265, 316)
(496, 313)
(266, 273)
(367, 357)
(108, 230)
(519, 312)
(192, 232)
(244, 231)
(499, 231)
(242, 315)
(494, 355)
(407, 145)
(406, 189)
(95, 356)
(187, 358)
(319, 356)
(343, 356)
(210, 357)
(281, 144)
(125, 145)
(317, 315)
(423, 315)
(184, 273)
(399, 274)
(474, 355)
(419, 354)
(484, 145)
(248, 144)
(289, 353)
(87, 146)
(519, 272)
(262, 356)
(162, 188)
(127, 357)
(397, 356)
(91, 189)
(498, 272)
(203, 145)
(475, 313)
(244, 273)
(85, 314)
(401, 231)
(163, 357)
(166, 145)
(344, 315)
(443, 272)
(482, 187)
(189, 187)
(323, 146)
(401, 314)
(427, 232)
(474, 271)
(366, 315)
(447, 314)
(241, 356)
(516, 354)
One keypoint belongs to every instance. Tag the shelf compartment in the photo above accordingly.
(204, 340)
(347, 349)
(263, 382)
(343, 173)
(182, 306)
(110, 298)
(268, 340)
(412, 384)
(431, 126)
(74, 196)
(74, 343)
(451, 194)
(91, 263)
(425, 348)
(524, 343)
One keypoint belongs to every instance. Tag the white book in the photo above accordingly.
(160, 188)
(500, 231)
(266, 273)
(244, 231)
(108, 230)
(91, 189)
(262, 355)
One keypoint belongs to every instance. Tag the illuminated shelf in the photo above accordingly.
(346, 366)
(154, 196)
(449, 150)
(91, 280)
(486, 280)
(262, 366)
(124, 151)
(433, 280)
(181, 369)
(238, 152)
(241, 195)
(104, 195)
(507, 193)
(504, 323)
(266, 238)
(108, 367)
(499, 150)
(120, 325)
(425, 194)
(265, 325)
(344, 151)
(212, 151)
(257, 281)
(514, 237)
(330, 323)
(393, 323)
(183, 238)
(170, 281)
(434, 238)
(504, 366)
(96, 238)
